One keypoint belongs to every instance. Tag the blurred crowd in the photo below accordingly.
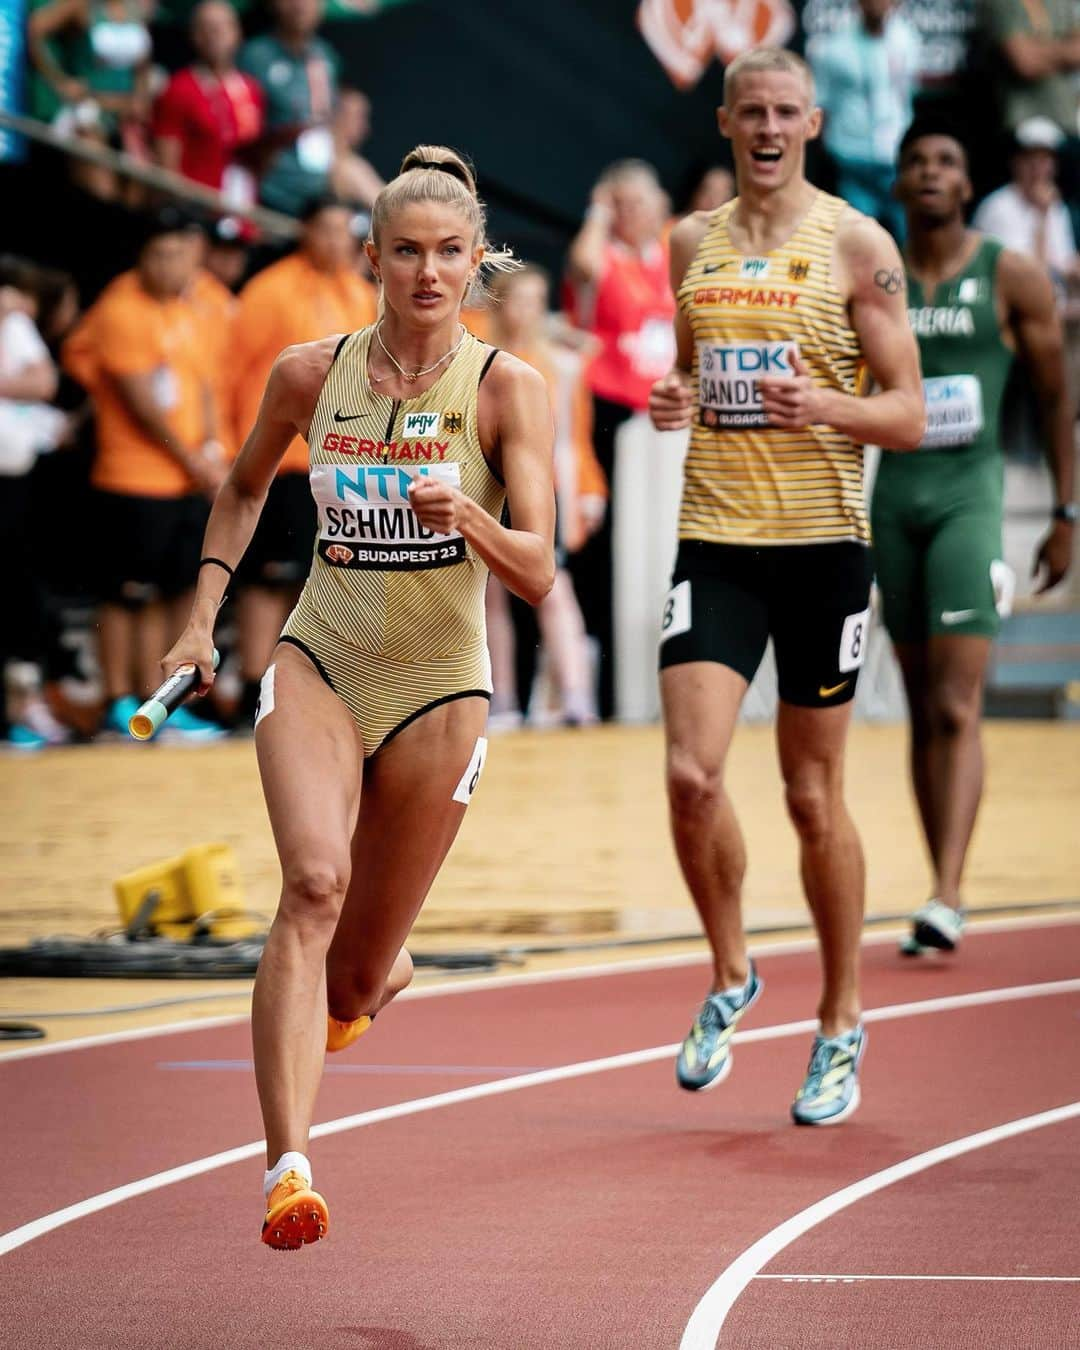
(263, 120)
(118, 422)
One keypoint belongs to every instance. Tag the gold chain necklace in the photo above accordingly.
(413, 376)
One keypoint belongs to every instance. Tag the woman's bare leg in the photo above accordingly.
(310, 759)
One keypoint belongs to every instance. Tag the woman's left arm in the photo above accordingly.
(515, 418)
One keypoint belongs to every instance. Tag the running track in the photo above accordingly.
(601, 1209)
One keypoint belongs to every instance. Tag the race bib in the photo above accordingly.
(676, 616)
(367, 523)
(728, 374)
(954, 411)
(853, 641)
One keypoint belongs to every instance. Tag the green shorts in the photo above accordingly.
(937, 552)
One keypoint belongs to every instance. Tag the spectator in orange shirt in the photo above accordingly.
(310, 294)
(519, 319)
(142, 353)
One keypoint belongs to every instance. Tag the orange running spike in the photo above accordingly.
(295, 1214)
(340, 1035)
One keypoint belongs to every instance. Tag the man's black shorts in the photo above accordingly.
(281, 549)
(813, 600)
(148, 548)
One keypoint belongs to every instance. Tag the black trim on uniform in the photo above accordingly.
(303, 647)
(337, 349)
(447, 698)
(393, 414)
(487, 366)
(491, 467)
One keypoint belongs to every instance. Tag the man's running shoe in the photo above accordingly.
(705, 1057)
(831, 1091)
(295, 1214)
(340, 1035)
(936, 925)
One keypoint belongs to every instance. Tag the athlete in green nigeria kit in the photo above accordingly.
(937, 514)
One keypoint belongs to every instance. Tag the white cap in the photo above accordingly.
(1038, 133)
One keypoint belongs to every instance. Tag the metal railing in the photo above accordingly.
(273, 224)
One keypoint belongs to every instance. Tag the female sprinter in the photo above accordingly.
(369, 734)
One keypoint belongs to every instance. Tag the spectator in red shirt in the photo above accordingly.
(211, 110)
(620, 292)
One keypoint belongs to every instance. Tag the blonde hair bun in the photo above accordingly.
(435, 173)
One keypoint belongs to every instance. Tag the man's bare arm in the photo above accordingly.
(1036, 327)
(671, 399)
(869, 271)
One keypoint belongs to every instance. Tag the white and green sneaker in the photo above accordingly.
(936, 927)
(830, 1091)
(705, 1057)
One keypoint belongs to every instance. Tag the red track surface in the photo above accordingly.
(591, 1213)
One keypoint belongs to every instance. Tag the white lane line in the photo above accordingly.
(790, 947)
(703, 1330)
(975, 1279)
(17, 1237)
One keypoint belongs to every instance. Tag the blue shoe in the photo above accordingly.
(185, 726)
(20, 737)
(705, 1057)
(938, 925)
(831, 1091)
(119, 712)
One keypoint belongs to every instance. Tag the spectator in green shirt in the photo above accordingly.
(299, 72)
(1036, 43)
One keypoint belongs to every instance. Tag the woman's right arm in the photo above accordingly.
(287, 406)
(42, 24)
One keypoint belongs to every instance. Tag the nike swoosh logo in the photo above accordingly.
(828, 693)
(348, 417)
(957, 615)
(714, 267)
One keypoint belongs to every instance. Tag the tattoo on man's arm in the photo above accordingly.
(890, 280)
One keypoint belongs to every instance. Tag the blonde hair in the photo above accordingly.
(435, 173)
(759, 59)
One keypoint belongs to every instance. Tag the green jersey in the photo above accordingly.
(936, 513)
(965, 362)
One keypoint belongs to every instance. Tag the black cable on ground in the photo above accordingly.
(206, 958)
(21, 1031)
(516, 952)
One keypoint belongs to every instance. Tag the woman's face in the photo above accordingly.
(637, 204)
(523, 307)
(425, 258)
(215, 33)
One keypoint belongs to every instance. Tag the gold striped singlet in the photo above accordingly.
(746, 482)
(392, 614)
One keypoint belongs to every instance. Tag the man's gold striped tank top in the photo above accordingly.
(747, 482)
(379, 579)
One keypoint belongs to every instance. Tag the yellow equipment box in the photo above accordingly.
(167, 898)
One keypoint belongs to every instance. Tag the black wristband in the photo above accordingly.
(1066, 511)
(205, 562)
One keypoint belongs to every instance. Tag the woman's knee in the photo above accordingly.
(313, 891)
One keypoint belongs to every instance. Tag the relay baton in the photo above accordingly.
(165, 699)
